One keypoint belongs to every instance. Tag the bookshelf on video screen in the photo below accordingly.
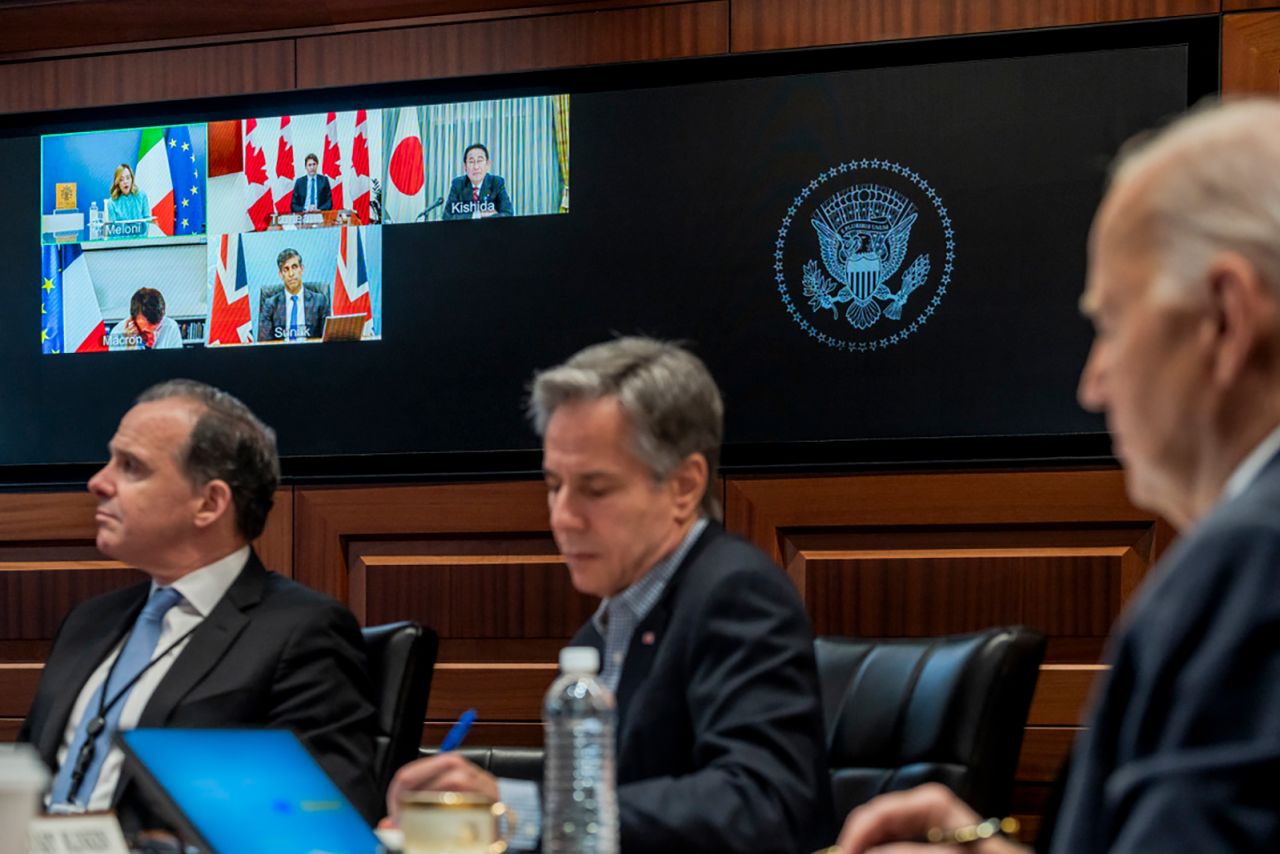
(268, 230)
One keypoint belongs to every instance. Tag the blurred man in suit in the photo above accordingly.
(703, 639)
(292, 310)
(477, 194)
(1182, 749)
(311, 192)
(212, 639)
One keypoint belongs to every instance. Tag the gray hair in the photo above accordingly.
(228, 443)
(1218, 188)
(667, 393)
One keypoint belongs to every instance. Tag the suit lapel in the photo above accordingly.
(107, 632)
(210, 641)
(640, 654)
(652, 630)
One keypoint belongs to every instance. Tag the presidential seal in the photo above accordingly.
(864, 255)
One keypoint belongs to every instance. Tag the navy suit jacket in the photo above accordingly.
(493, 192)
(720, 733)
(273, 312)
(1183, 747)
(324, 196)
(272, 653)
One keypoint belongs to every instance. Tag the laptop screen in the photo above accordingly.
(249, 791)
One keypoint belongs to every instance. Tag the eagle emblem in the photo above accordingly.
(863, 234)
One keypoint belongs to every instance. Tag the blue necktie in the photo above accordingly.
(293, 317)
(134, 658)
(311, 191)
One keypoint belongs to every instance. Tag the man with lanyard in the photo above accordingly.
(212, 639)
(1182, 750)
(704, 640)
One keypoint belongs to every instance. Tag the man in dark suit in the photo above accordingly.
(212, 639)
(1182, 751)
(292, 310)
(477, 194)
(704, 640)
(311, 192)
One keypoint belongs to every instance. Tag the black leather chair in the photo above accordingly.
(402, 657)
(950, 710)
(515, 763)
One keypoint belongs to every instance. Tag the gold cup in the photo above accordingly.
(453, 823)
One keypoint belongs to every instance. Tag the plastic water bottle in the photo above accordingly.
(580, 787)
(95, 222)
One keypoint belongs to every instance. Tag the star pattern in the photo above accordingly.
(780, 244)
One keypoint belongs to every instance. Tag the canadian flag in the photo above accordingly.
(283, 189)
(405, 196)
(331, 162)
(351, 282)
(360, 167)
(229, 317)
(258, 199)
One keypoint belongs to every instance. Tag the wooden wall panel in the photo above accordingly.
(31, 27)
(777, 24)
(1245, 5)
(919, 555)
(475, 562)
(552, 41)
(142, 76)
(1251, 53)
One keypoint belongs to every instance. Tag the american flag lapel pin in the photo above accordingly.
(647, 638)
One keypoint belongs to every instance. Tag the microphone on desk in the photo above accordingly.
(437, 203)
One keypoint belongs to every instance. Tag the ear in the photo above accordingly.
(688, 483)
(215, 503)
(1243, 310)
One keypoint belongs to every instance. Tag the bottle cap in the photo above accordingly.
(580, 659)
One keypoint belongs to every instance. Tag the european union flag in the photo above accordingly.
(187, 171)
(51, 300)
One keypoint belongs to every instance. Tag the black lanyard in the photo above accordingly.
(89, 749)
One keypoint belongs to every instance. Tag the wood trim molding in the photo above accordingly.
(517, 44)
(325, 519)
(1251, 53)
(757, 508)
(144, 76)
(778, 24)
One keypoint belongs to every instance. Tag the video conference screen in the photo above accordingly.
(268, 230)
(866, 245)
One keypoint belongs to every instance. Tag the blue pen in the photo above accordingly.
(459, 731)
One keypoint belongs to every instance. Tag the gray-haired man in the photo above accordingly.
(1183, 747)
(703, 639)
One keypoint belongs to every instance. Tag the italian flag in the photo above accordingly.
(152, 177)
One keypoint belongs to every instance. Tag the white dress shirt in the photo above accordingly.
(201, 590)
(1251, 466)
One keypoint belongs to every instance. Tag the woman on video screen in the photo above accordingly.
(127, 201)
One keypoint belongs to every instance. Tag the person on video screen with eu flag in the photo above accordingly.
(293, 310)
(477, 194)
